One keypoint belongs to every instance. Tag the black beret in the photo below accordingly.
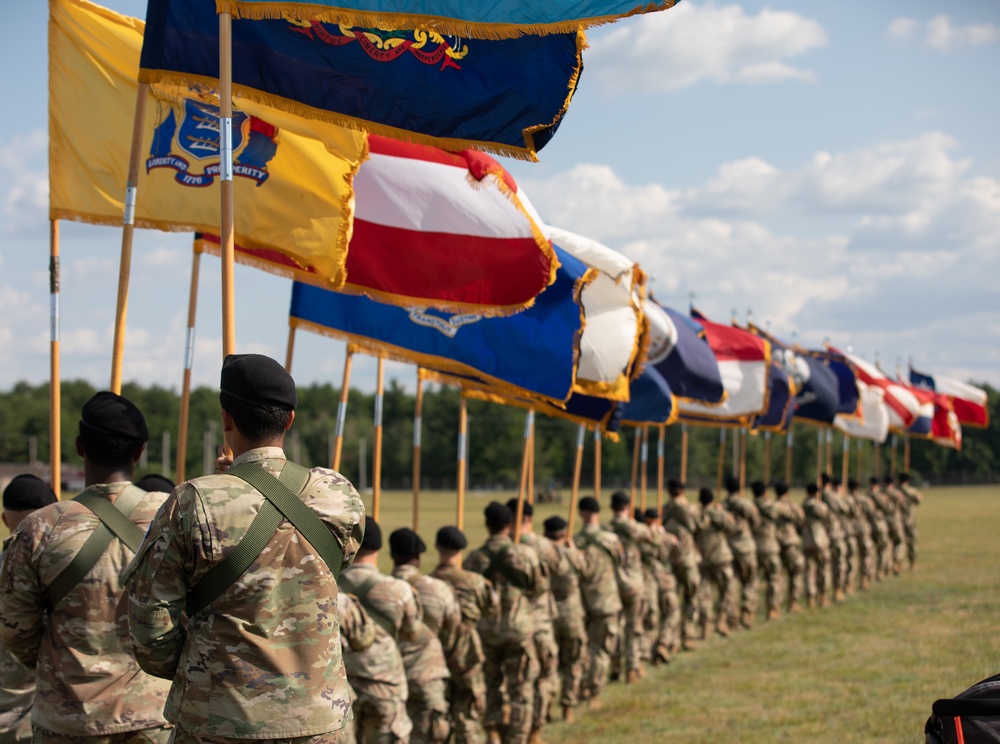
(651, 513)
(554, 524)
(639, 514)
(781, 488)
(588, 504)
(527, 510)
(498, 514)
(812, 489)
(113, 415)
(153, 482)
(674, 486)
(619, 500)
(451, 538)
(758, 488)
(705, 496)
(405, 541)
(373, 535)
(732, 484)
(852, 485)
(27, 492)
(258, 380)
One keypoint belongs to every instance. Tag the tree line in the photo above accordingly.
(495, 440)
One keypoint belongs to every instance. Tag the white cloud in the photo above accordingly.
(941, 34)
(694, 43)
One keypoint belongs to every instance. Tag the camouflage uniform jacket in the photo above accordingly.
(88, 681)
(424, 657)
(17, 690)
(859, 513)
(716, 523)
(263, 660)
(814, 534)
(598, 584)
(514, 571)
(790, 518)
(747, 519)
(357, 629)
(835, 522)
(766, 532)
(551, 565)
(876, 517)
(911, 498)
(476, 599)
(566, 584)
(680, 518)
(634, 539)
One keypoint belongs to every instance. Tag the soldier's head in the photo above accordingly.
(371, 543)
(589, 509)
(852, 485)
(780, 489)
(405, 547)
(873, 482)
(555, 528)
(112, 436)
(904, 478)
(705, 496)
(758, 488)
(887, 480)
(675, 488)
(653, 517)
(258, 401)
(153, 482)
(835, 484)
(527, 512)
(620, 502)
(639, 515)
(732, 484)
(824, 480)
(23, 495)
(498, 518)
(450, 542)
(811, 490)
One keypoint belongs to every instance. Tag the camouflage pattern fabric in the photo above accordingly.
(570, 623)
(912, 499)
(632, 587)
(717, 579)
(744, 548)
(769, 552)
(790, 519)
(546, 647)
(88, 682)
(17, 691)
(816, 546)
(264, 659)
(838, 540)
(680, 518)
(603, 554)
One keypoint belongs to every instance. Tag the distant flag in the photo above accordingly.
(903, 406)
(383, 75)
(650, 400)
(679, 351)
(946, 430)
(847, 379)
(744, 362)
(970, 403)
(873, 423)
(923, 422)
(780, 401)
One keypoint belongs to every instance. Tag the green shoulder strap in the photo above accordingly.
(497, 565)
(592, 540)
(114, 522)
(282, 501)
(362, 594)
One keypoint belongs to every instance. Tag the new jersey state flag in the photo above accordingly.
(293, 177)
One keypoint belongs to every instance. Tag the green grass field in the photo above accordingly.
(866, 670)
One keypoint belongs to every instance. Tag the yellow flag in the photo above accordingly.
(293, 177)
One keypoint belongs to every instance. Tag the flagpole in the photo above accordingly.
(636, 446)
(597, 463)
(290, 349)
(789, 440)
(645, 467)
(660, 451)
(767, 456)
(892, 456)
(722, 457)
(743, 460)
(906, 453)
(227, 240)
(128, 230)
(529, 422)
(182, 425)
(581, 433)
(684, 453)
(845, 468)
(377, 454)
(860, 451)
(55, 380)
(417, 426)
(829, 452)
(530, 495)
(338, 442)
(819, 456)
(877, 461)
(463, 431)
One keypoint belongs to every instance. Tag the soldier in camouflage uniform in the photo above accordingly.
(427, 672)
(744, 550)
(816, 546)
(680, 518)
(476, 600)
(790, 520)
(864, 509)
(23, 495)
(848, 518)
(544, 610)
(836, 535)
(357, 633)
(76, 637)
(631, 586)
(667, 552)
(570, 622)
(714, 525)
(509, 636)
(768, 548)
(291, 665)
(650, 621)
(601, 599)
(880, 529)
(892, 500)
(912, 498)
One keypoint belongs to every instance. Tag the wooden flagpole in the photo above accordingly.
(290, 349)
(861, 472)
(789, 440)
(660, 452)
(892, 456)
(636, 446)
(529, 424)
(377, 454)
(767, 456)
(338, 442)
(877, 461)
(906, 453)
(845, 468)
(644, 465)
(55, 380)
(684, 453)
(743, 460)
(597, 463)
(819, 456)
(463, 432)
(829, 452)
(417, 427)
(722, 458)
(581, 433)
(227, 226)
(128, 231)
(182, 425)
(530, 495)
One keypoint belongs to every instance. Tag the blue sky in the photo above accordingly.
(832, 167)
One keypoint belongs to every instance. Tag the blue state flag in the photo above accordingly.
(780, 400)
(848, 397)
(650, 400)
(688, 366)
(502, 95)
(533, 352)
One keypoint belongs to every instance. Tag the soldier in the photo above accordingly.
(667, 552)
(680, 518)
(714, 526)
(60, 592)
(912, 498)
(849, 518)
(650, 621)
(188, 616)
(744, 549)
(862, 507)
(23, 495)
(601, 598)
(476, 599)
(509, 637)
(790, 519)
(570, 623)
(816, 546)
(880, 530)
(768, 548)
(836, 536)
(427, 672)
(379, 674)
(357, 633)
(631, 583)
(544, 610)
(892, 506)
